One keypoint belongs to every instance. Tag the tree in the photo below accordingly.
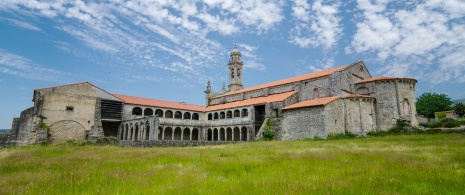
(459, 108)
(429, 103)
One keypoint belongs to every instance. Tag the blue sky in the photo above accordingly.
(169, 49)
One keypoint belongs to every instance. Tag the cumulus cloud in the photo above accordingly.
(428, 35)
(317, 24)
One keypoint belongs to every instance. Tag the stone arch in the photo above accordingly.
(244, 133)
(169, 114)
(177, 133)
(168, 133)
(222, 115)
(136, 132)
(406, 107)
(159, 113)
(215, 134)
(229, 114)
(126, 132)
(186, 134)
(137, 111)
(210, 116)
(187, 115)
(178, 115)
(195, 116)
(209, 135)
(121, 135)
(237, 134)
(245, 112)
(362, 90)
(195, 134)
(215, 115)
(61, 131)
(160, 133)
(147, 131)
(148, 112)
(237, 113)
(222, 134)
(229, 134)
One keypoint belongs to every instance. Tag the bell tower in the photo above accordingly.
(235, 70)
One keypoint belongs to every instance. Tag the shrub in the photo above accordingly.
(440, 115)
(268, 133)
(106, 141)
(43, 126)
(450, 123)
(346, 135)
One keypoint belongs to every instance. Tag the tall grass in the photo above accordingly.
(408, 164)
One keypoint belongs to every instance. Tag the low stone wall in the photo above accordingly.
(171, 143)
(5, 140)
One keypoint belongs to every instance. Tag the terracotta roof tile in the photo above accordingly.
(311, 103)
(288, 80)
(159, 103)
(382, 78)
(252, 101)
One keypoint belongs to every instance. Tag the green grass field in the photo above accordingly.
(405, 164)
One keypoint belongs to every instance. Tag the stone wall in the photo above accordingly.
(303, 123)
(171, 143)
(359, 115)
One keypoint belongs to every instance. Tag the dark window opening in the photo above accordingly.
(237, 113)
(159, 113)
(70, 108)
(215, 116)
(178, 115)
(195, 116)
(169, 114)
(245, 112)
(221, 115)
(187, 115)
(148, 112)
(229, 114)
(137, 111)
(210, 116)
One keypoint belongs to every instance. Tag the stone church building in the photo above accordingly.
(333, 101)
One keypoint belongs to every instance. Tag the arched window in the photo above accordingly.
(245, 112)
(406, 107)
(148, 112)
(159, 113)
(178, 115)
(238, 73)
(169, 114)
(362, 90)
(210, 117)
(237, 113)
(215, 116)
(229, 114)
(232, 73)
(195, 116)
(187, 115)
(137, 111)
(222, 116)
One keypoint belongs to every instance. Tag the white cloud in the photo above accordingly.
(424, 39)
(22, 24)
(316, 25)
(23, 67)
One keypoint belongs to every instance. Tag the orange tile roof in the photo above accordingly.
(252, 101)
(287, 81)
(382, 78)
(314, 102)
(159, 103)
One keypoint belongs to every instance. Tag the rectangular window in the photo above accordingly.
(70, 108)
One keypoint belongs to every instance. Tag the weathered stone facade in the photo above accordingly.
(333, 101)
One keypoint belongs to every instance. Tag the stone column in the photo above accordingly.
(232, 134)
(172, 133)
(162, 133)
